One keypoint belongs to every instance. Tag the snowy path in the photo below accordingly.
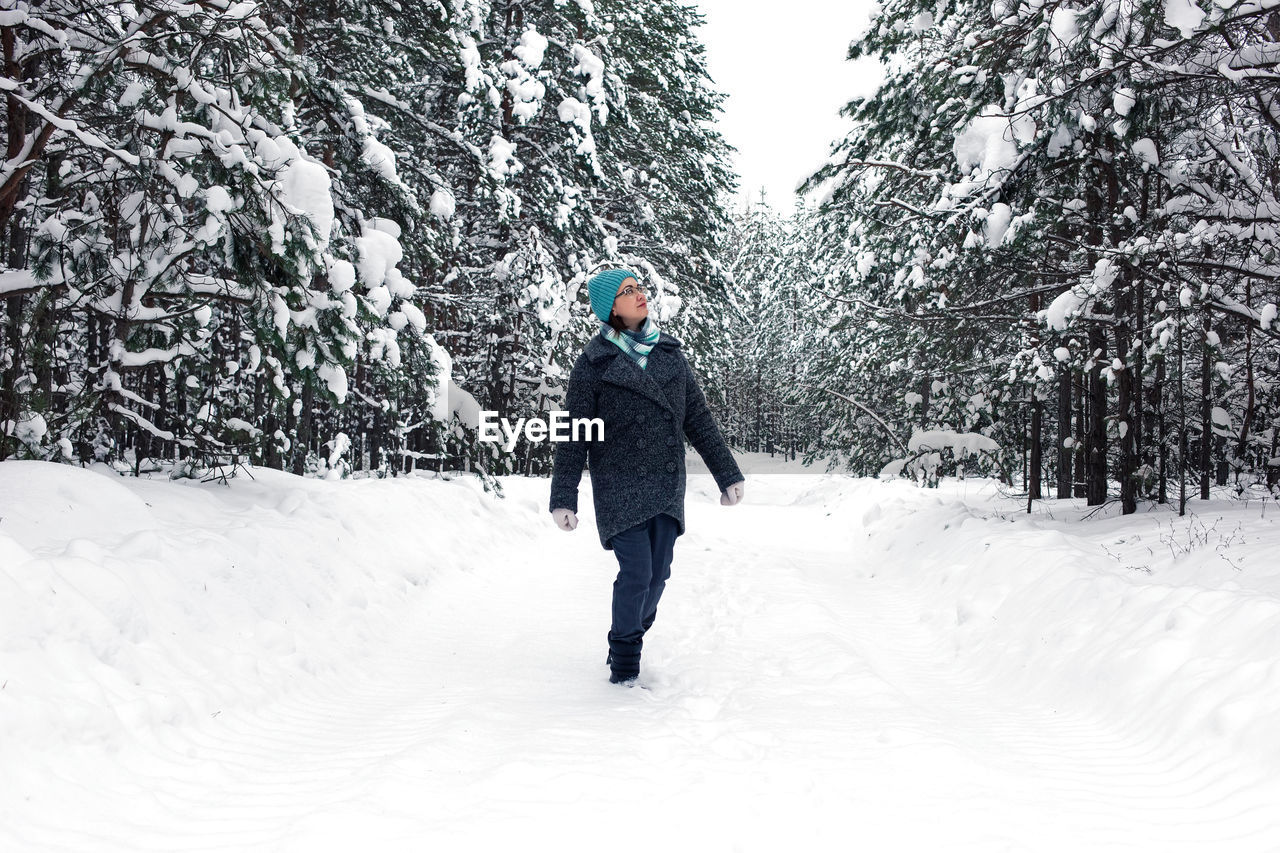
(802, 694)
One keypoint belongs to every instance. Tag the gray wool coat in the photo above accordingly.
(637, 471)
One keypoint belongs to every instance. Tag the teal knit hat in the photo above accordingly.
(603, 288)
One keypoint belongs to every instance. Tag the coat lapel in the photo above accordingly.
(663, 364)
(624, 372)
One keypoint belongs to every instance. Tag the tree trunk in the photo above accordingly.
(1125, 398)
(1035, 489)
(1081, 455)
(1064, 431)
(1206, 409)
(1096, 440)
(1182, 419)
(1250, 402)
(377, 438)
(1162, 428)
(15, 258)
(303, 431)
(10, 402)
(1035, 486)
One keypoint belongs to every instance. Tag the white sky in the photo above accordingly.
(784, 70)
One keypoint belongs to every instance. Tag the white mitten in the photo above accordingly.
(565, 518)
(733, 494)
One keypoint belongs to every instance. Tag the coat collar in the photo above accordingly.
(600, 347)
(663, 363)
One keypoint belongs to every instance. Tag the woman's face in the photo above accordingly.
(633, 307)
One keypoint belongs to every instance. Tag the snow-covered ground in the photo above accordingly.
(838, 664)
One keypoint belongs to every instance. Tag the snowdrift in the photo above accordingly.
(128, 605)
(1146, 621)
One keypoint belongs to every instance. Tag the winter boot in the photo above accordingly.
(624, 661)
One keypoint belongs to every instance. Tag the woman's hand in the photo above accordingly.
(565, 519)
(733, 494)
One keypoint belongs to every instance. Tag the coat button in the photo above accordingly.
(671, 466)
(639, 419)
(671, 441)
(667, 415)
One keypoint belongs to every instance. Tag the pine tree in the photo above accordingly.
(1026, 193)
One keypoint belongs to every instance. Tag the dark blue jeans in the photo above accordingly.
(644, 565)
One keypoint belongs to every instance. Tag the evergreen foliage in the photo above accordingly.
(1054, 224)
(318, 236)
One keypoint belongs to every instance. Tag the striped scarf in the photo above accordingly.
(635, 344)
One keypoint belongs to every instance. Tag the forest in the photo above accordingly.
(303, 235)
(319, 236)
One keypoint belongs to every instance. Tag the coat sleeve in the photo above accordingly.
(705, 436)
(571, 456)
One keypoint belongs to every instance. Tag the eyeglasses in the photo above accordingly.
(630, 290)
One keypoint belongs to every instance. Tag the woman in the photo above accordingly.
(638, 382)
